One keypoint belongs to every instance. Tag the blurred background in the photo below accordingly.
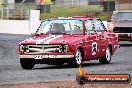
(20, 9)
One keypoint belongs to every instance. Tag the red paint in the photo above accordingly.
(103, 39)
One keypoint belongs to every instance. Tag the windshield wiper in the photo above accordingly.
(64, 33)
(60, 33)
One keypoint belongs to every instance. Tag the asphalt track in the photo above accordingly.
(11, 71)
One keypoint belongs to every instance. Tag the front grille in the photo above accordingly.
(122, 30)
(41, 48)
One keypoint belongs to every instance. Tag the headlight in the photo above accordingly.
(24, 48)
(63, 48)
(66, 48)
(21, 48)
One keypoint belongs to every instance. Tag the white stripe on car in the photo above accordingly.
(51, 39)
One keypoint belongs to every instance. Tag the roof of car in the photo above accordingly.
(76, 17)
(84, 17)
(122, 11)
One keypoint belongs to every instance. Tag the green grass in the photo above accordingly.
(104, 16)
(59, 11)
(66, 11)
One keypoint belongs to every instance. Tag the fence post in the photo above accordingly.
(129, 4)
(2, 11)
(62, 3)
(7, 12)
(21, 13)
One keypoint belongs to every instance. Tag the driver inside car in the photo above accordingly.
(57, 28)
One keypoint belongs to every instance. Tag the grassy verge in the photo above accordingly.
(60, 11)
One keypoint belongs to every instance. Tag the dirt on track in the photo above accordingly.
(65, 84)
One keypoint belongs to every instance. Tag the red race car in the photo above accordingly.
(68, 40)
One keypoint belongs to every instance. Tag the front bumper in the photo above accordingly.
(48, 59)
(125, 37)
(46, 56)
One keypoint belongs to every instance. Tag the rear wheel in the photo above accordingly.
(107, 58)
(26, 64)
(78, 59)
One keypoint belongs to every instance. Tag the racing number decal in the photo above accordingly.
(94, 48)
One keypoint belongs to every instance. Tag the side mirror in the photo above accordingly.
(92, 32)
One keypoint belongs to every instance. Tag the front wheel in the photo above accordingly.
(78, 59)
(26, 64)
(107, 58)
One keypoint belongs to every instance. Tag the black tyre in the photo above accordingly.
(107, 58)
(26, 64)
(57, 63)
(78, 59)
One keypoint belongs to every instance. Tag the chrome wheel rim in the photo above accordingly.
(108, 54)
(78, 57)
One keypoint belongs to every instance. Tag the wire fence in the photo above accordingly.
(60, 8)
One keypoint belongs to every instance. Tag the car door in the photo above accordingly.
(90, 44)
(100, 38)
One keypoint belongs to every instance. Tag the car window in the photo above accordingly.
(123, 16)
(61, 26)
(98, 26)
(89, 26)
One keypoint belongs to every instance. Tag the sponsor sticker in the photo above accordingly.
(103, 78)
(82, 78)
(38, 57)
(94, 48)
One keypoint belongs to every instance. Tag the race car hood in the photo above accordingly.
(53, 39)
(123, 24)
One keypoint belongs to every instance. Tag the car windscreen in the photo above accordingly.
(61, 26)
(123, 16)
